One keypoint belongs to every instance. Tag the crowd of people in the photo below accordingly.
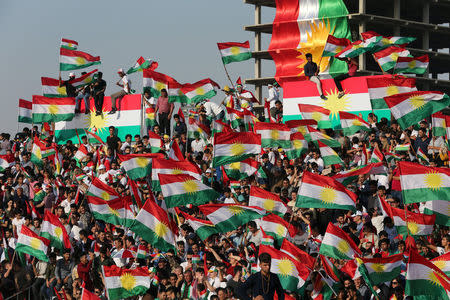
(229, 259)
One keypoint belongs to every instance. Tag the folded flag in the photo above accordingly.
(155, 142)
(81, 154)
(316, 113)
(52, 109)
(337, 244)
(356, 49)
(40, 151)
(297, 254)
(142, 251)
(440, 208)
(329, 156)
(25, 112)
(235, 117)
(150, 117)
(299, 146)
(420, 183)
(273, 135)
(69, 44)
(219, 126)
(387, 58)
(101, 190)
(380, 87)
(51, 88)
(73, 60)
(266, 200)
(124, 253)
(195, 128)
(412, 107)
(267, 240)
(201, 90)
(422, 156)
(335, 45)
(142, 64)
(379, 270)
(232, 147)
(30, 243)
(241, 169)
(53, 230)
(412, 65)
(234, 52)
(123, 283)
(93, 138)
(318, 191)
(138, 165)
(203, 228)
(169, 166)
(316, 135)
(277, 227)
(351, 123)
(410, 223)
(227, 217)
(175, 152)
(438, 124)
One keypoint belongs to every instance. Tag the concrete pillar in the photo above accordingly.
(397, 15)
(361, 29)
(426, 34)
(258, 88)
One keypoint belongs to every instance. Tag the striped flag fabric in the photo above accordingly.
(73, 60)
(329, 156)
(87, 295)
(266, 200)
(412, 65)
(40, 151)
(410, 108)
(101, 190)
(227, 217)
(235, 117)
(203, 228)
(173, 167)
(51, 88)
(440, 208)
(234, 52)
(337, 244)
(123, 283)
(52, 109)
(316, 135)
(410, 223)
(438, 124)
(154, 82)
(335, 45)
(422, 157)
(299, 146)
(150, 117)
(318, 191)
(241, 169)
(93, 138)
(200, 90)
(112, 211)
(141, 64)
(5, 161)
(138, 165)
(175, 152)
(155, 142)
(351, 123)
(402, 147)
(376, 156)
(386, 41)
(267, 240)
(232, 147)
(381, 269)
(183, 189)
(53, 230)
(443, 263)
(387, 58)
(277, 227)
(300, 255)
(81, 154)
(273, 134)
(356, 48)
(316, 113)
(25, 112)
(30, 243)
(420, 183)
(69, 44)
(380, 87)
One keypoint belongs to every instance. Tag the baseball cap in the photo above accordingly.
(71, 74)
(357, 213)
(120, 70)
(101, 167)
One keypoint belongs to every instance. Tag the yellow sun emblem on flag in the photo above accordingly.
(385, 41)
(327, 194)
(440, 263)
(61, 90)
(343, 247)
(413, 227)
(280, 230)
(378, 268)
(142, 161)
(190, 186)
(274, 134)
(417, 101)
(113, 211)
(128, 281)
(334, 104)
(269, 204)
(159, 86)
(392, 90)
(394, 56)
(100, 122)
(235, 166)
(434, 278)
(237, 149)
(358, 46)
(235, 210)
(338, 49)
(316, 116)
(70, 45)
(302, 129)
(298, 144)
(412, 64)
(286, 267)
(35, 243)
(176, 171)
(200, 91)
(434, 180)
(105, 196)
(53, 109)
(80, 61)
(235, 50)
(58, 232)
(37, 152)
(87, 79)
(356, 122)
(161, 229)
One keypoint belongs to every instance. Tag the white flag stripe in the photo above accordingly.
(420, 181)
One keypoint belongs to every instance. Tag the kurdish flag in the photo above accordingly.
(138, 165)
(316, 113)
(154, 226)
(316, 135)
(297, 254)
(194, 127)
(32, 244)
(440, 208)
(5, 161)
(155, 142)
(113, 211)
(154, 82)
(25, 112)
(334, 45)
(235, 117)
(412, 65)
(409, 223)
(227, 217)
(423, 278)
(51, 88)
(203, 228)
(266, 200)
(53, 230)
(420, 183)
(201, 90)
(40, 151)
(172, 167)
(422, 156)
(123, 283)
(443, 263)
(234, 52)
(318, 191)
(69, 44)
(438, 124)
(142, 64)
(273, 135)
(277, 227)
(402, 147)
(386, 41)
(380, 87)
(74, 60)
(351, 123)
(150, 117)
(101, 190)
(387, 58)
(329, 156)
(376, 156)
(337, 244)
(299, 146)
(52, 109)
(356, 49)
(183, 189)
(232, 147)
(380, 270)
(175, 93)
(241, 169)
(410, 108)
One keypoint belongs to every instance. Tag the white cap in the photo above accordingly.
(101, 167)
(357, 213)
(71, 74)
(120, 70)
(86, 169)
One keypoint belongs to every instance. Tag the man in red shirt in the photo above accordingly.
(352, 64)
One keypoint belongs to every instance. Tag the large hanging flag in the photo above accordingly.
(234, 52)
(379, 270)
(182, 189)
(317, 191)
(386, 41)
(241, 169)
(442, 262)
(380, 87)
(232, 147)
(53, 230)
(74, 60)
(201, 90)
(32, 244)
(387, 58)
(142, 64)
(337, 244)
(329, 156)
(69, 44)
(316, 135)
(101, 190)
(412, 65)
(420, 183)
(267, 200)
(154, 226)
(25, 112)
(316, 113)
(273, 135)
(438, 124)
(52, 109)
(410, 223)
(203, 228)
(51, 88)
(123, 283)
(277, 227)
(172, 167)
(227, 217)
(423, 278)
(138, 165)
(291, 273)
(410, 108)
(302, 27)
(299, 146)
(440, 208)
(334, 45)
(351, 123)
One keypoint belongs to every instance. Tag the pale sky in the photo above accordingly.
(180, 34)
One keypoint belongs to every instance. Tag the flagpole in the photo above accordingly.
(228, 75)
(334, 292)
(373, 55)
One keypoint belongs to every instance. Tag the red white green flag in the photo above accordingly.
(440, 208)
(351, 123)
(334, 45)
(443, 263)
(142, 64)
(410, 223)
(241, 169)
(52, 109)
(273, 135)
(202, 228)
(376, 156)
(138, 165)
(232, 147)
(74, 60)
(101, 190)
(201, 90)
(381, 269)
(387, 58)
(69, 44)
(380, 87)
(337, 244)
(25, 111)
(30, 243)
(316, 135)
(299, 146)
(53, 230)
(267, 200)
(386, 41)
(277, 227)
(234, 52)
(438, 124)
(297, 254)
(329, 156)
(123, 283)
(172, 167)
(316, 113)
(412, 65)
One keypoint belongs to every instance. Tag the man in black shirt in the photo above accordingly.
(262, 284)
(99, 88)
(70, 89)
(113, 140)
(312, 72)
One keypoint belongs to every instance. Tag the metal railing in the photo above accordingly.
(22, 295)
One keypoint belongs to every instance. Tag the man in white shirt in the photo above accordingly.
(197, 145)
(273, 97)
(125, 84)
(212, 110)
(315, 157)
